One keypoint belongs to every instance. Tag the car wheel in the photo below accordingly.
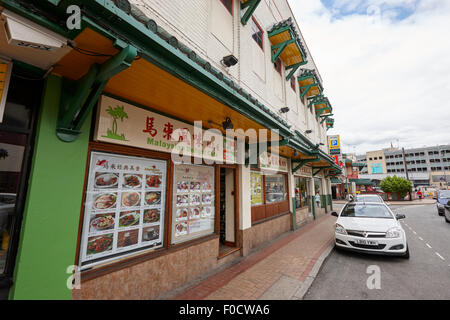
(406, 254)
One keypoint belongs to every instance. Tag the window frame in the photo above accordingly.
(262, 33)
(293, 84)
(277, 65)
(232, 6)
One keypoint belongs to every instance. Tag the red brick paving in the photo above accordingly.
(293, 255)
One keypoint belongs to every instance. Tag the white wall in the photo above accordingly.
(208, 28)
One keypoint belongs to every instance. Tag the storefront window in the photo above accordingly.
(193, 209)
(301, 192)
(275, 188)
(256, 182)
(124, 208)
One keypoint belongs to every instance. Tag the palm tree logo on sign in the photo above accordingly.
(116, 113)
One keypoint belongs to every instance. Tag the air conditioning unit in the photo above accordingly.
(27, 34)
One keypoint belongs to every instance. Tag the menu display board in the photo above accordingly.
(256, 188)
(193, 207)
(125, 206)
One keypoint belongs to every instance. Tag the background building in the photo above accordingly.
(421, 163)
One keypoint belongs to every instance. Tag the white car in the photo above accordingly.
(371, 228)
(369, 198)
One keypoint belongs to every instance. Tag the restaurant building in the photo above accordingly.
(120, 179)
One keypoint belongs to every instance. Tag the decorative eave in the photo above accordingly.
(127, 26)
(329, 123)
(362, 182)
(309, 84)
(287, 46)
(251, 6)
(321, 105)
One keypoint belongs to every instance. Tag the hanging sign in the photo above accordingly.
(272, 161)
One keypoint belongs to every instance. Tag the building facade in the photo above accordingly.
(421, 163)
(119, 168)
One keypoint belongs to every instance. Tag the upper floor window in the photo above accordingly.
(277, 65)
(229, 5)
(257, 33)
(293, 83)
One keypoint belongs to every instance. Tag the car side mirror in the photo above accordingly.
(334, 213)
(400, 216)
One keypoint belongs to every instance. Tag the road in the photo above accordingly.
(426, 275)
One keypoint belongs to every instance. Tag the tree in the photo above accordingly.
(396, 185)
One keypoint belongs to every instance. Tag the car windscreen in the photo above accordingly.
(368, 199)
(361, 210)
(444, 194)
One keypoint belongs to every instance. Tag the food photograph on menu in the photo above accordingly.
(102, 222)
(152, 215)
(127, 238)
(105, 201)
(132, 181)
(106, 180)
(124, 208)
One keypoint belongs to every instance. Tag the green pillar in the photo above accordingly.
(324, 203)
(294, 214)
(313, 206)
(48, 238)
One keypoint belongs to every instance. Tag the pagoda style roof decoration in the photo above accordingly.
(321, 105)
(309, 84)
(287, 46)
(329, 123)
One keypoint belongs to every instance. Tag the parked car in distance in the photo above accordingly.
(442, 198)
(369, 198)
(370, 228)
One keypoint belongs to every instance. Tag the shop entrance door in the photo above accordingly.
(227, 210)
(16, 138)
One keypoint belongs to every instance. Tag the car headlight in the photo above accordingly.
(340, 229)
(394, 233)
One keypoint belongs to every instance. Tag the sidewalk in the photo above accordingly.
(399, 203)
(283, 270)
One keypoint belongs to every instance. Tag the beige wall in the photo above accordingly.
(376, 154)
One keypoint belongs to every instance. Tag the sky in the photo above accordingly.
(385, 66)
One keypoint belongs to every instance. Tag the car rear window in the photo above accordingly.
(368, 199)
(361, 210)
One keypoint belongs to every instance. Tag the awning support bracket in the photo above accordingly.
(251, 6)
(306, 89)
(317, 172)
(294, 69)
(280, 48)
(75, 107)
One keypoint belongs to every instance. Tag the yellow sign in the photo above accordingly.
(5, 76)
(334, 144)
(256, 188)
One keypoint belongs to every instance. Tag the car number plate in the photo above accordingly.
(367, 242)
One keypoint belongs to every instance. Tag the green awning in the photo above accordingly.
(335, 180)
(362, 182)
